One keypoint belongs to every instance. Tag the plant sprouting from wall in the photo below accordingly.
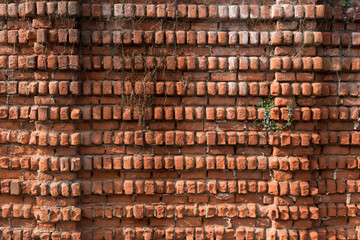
(345, 3)
(270, 125)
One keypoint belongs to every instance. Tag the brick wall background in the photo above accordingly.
(139, 120)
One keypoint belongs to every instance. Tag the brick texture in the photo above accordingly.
(133, 120)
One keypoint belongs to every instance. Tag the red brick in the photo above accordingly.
(137, 112)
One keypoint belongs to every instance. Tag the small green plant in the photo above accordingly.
(345, 3)
(291, 107)
(268, 124)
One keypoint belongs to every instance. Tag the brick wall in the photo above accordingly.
(179, 120)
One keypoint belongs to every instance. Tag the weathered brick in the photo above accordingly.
(108, 105)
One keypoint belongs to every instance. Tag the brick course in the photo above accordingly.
(133, 120)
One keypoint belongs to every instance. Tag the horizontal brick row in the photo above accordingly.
(139, 37)
(239, 233)
(125, 86)
(281, 186)
(208, 63)
(339, 210)
(263, 64)
(197, 162)
(205, 210)
(72, 62)
(168, 233)
(54, 189)
(129, 162)
(222, 12)
(45, 113)
(34, 9)
(61, 62)
(138, 63)
(339, 186)
(41, 87)
(109, 112)
(172, 11)
(174, 138)
(54, 214)
(212, 11)
(16, 211)
(19, 232)
(337, 162)
(43, 214)
(150, 187)
(22, 36)
(220, 38)
(55, 164)
(60, 75)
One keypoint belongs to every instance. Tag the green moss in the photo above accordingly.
(345, 3)
(270, 125)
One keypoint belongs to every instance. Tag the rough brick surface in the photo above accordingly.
(133, 120)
